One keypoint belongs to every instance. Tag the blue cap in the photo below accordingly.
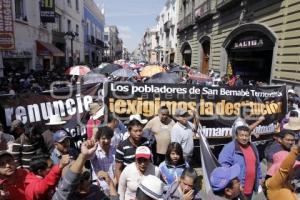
(221, 176)
(60, 136)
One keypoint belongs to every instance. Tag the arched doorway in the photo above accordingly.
(206, 55)
(250, 52)
(186, 52)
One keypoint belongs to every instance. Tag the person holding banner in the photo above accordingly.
(161, 126)
(183, 133)
(243, 152)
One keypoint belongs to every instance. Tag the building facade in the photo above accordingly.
(258, 40)
(94, 23)
(167, 31)
(45, 46)
(113, 51)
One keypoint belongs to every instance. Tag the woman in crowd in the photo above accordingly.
(172, 168)
(133, 174)
(187, 187)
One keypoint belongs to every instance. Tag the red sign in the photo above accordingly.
(7, 39)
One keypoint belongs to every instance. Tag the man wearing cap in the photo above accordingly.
(125, 153)
(133, 173)
(12, 180)
(161, 127)
(225, 183)
(244, 153)
(182, 132)
(62, 146)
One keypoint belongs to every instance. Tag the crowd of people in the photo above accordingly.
(144, 159)
(141, 159)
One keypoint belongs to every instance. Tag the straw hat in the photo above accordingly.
(55, 120)
(96, 111)
(293, 124)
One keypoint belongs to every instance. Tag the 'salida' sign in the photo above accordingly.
(248, 43)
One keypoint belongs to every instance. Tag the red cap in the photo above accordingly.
(143, 152)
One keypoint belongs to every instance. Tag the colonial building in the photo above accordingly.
(150, 46)
(257, 39)
(112, 42)
(167, 31)
(94, 22)
(43, 45)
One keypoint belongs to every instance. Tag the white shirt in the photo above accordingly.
(130, 179)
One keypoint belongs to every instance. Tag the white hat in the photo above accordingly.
(138, 117)
(96, 110)
(55, 120)
(291, 91)
(152, 187)
(293, 124)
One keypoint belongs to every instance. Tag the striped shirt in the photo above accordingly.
(126, 151)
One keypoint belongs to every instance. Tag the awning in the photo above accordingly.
(48, 49)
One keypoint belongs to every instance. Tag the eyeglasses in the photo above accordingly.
(142, 160)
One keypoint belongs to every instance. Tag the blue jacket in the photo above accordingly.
(232, 154)
(171, 173)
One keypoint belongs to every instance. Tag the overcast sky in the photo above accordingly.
(132, 18)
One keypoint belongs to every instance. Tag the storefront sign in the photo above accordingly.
(248, 43)
(47, 11)
(17, 54)
(7, 39)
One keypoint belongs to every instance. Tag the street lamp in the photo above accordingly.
(71, 35)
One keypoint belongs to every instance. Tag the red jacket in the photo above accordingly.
(42, 188)
(15, 190)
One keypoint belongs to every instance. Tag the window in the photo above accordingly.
(20, 10)
(57, 24)
(105, 37)
(69, 25)
(77, 29)
(77, 5)
(69, 3)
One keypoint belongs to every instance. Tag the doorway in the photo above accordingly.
(186, 54)
(205, 59)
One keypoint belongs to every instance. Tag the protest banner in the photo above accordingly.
(218, 107)
(71, 103)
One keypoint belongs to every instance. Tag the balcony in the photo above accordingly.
(186, 22)
(204, 11)
(167, 26)
(225, 4)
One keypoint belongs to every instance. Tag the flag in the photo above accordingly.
(209, 163)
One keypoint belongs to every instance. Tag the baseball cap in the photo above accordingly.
(221, 176)
(143, 152)
(60, 136)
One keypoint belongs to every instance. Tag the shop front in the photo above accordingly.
(46, 52)
(250, 53)
(17, 61)
(186, 52)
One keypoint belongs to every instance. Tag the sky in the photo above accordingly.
(132, 17)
